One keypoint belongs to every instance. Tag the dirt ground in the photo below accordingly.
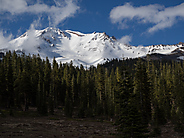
(30, 125)
(49, 127)
(167, 131)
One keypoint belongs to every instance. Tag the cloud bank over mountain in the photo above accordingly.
(4, 40)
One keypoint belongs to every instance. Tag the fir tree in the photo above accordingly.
(18, 90)
(47, 86)
(142, 90)
(68, 97)
(100, 88)
(130, 121)
(3, 95)
(82, 94)
(9, 79)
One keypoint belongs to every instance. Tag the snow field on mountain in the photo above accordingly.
(86, 49)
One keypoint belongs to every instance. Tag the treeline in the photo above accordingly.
(135, 92)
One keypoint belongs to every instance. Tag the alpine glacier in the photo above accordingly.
(80, 48)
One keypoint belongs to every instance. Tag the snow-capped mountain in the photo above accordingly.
(86, 49)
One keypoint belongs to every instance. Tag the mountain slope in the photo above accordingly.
(86, 49)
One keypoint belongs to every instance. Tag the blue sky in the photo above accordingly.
(137, 22)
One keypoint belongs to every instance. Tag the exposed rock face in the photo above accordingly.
(181, 43)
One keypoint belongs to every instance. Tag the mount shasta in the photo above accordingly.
(86, 49)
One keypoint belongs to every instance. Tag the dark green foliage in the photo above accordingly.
(9, 80)
(82, 93)
(47, 89)
(3, 95)
(129, 120)
(131, 123)
(68, 97)
(100, 89)
(142, 91)
(151, 93)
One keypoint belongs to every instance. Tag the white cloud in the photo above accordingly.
(125, 39)
(4, 40)
(13, 6)
(31, 43)
(36, 23)
(58, 13)
(155, 14)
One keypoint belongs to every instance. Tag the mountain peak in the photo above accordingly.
(87, 49)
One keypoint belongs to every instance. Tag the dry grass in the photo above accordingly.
(30, 125)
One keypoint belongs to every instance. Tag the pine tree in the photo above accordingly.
(68, 97)
(47, 86)
(142, 90)
(18, 90)
(82, 93)
(62, 86)
(26, 87)
(41, 95)
(36, 67)
(100, 89)
(89, 94)
(73, 88)
(117, 90)
(55, 81)
(9, 79)
(112, 85)
(108, 100)
(26, 82)
(3, 97)
(178, 95)
(129, 121)
(78, 90)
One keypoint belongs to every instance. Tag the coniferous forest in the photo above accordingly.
(136, 92)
